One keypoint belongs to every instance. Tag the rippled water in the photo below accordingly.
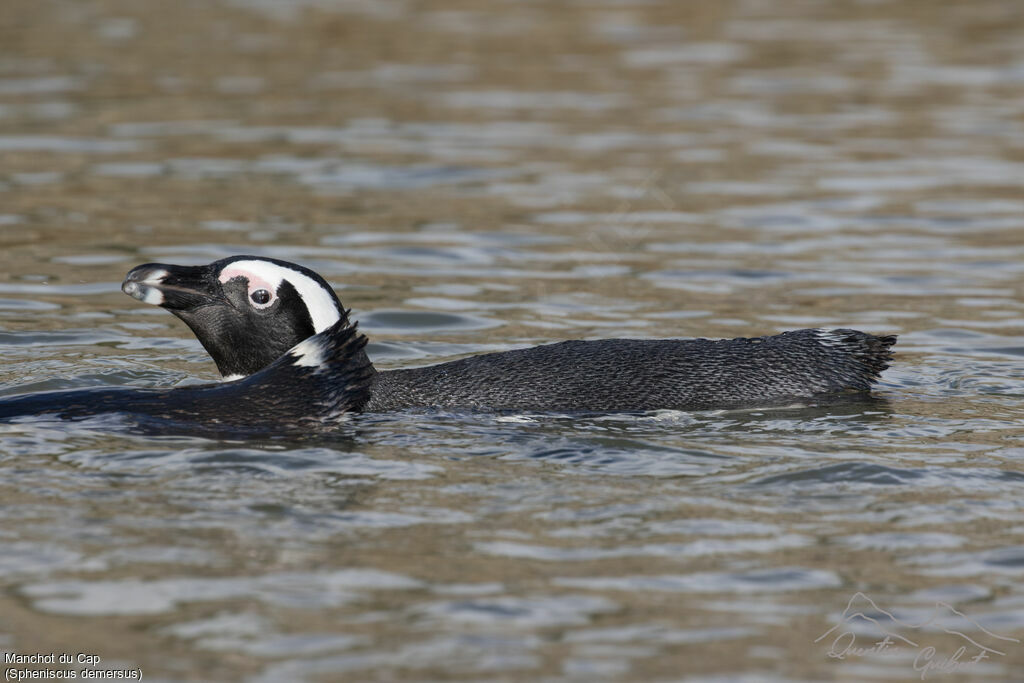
(478, 176)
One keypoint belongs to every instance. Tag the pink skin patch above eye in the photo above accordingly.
(255, 282)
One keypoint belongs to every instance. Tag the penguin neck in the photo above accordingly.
(230, 374)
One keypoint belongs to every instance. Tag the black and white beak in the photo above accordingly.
(173, 287)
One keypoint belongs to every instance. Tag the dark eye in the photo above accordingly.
(260, 296)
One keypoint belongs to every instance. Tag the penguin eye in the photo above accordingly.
(260, 297)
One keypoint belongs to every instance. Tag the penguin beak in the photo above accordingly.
(176, 288)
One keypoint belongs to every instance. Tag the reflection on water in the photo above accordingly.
(485, 176)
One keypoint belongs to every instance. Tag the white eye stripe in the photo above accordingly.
(320, 304)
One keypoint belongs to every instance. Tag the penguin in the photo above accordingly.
(247, 311)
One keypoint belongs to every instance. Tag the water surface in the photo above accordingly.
(480, 176)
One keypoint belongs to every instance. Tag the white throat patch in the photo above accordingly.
(323, 310)
(308, 353)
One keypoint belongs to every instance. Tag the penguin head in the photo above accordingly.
(247, 311)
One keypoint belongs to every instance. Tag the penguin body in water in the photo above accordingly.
(247, 310)
(290, 357)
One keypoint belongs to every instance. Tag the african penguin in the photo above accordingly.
(248, 310)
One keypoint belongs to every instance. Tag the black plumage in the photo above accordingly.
(634, 375)
(312, 385)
